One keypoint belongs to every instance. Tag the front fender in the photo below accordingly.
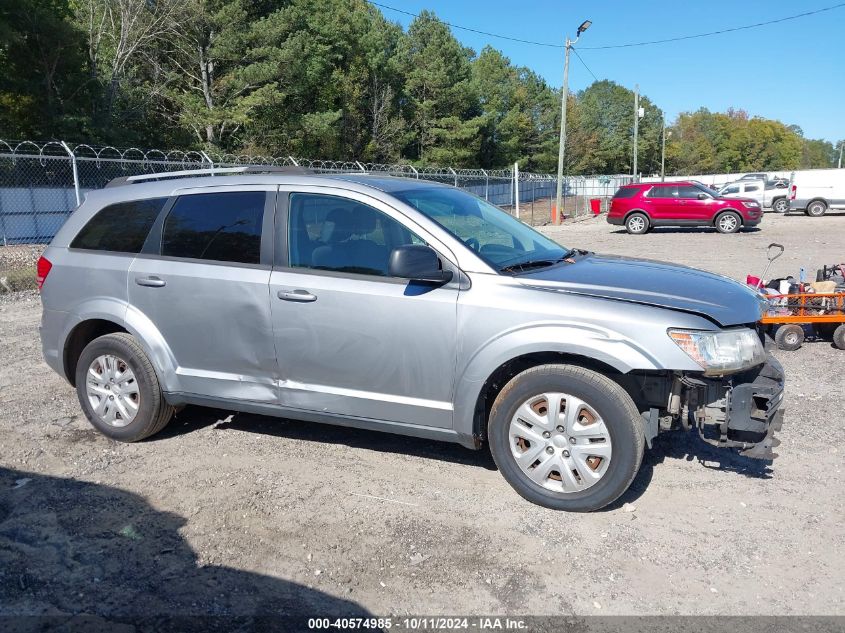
(606, 346)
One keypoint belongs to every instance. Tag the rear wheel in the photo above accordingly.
(781, 205)
(119, 390)
(816, 208)
(839, 336)
(789, 337)
(566, 437)
(637, 224)
(728, 222)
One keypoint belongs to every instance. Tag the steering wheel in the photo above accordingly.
(473, 244)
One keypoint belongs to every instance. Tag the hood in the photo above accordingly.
(723, 300)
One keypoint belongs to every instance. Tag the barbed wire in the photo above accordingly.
(149, 159)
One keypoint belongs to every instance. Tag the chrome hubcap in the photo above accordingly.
(560, 442)
(728, 223)
(112, 390)
(636, 224)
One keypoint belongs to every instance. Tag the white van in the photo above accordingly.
(814, 191)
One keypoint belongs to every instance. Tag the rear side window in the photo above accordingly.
(222, 227)
(752, 188)
(626, 192)
(120, 228)
(663, 192)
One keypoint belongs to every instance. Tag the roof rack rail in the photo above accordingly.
(191, 173)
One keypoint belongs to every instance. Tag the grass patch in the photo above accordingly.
(18, 279)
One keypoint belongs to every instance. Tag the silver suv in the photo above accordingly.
(403, 306)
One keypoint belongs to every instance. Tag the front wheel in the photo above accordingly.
(566, 437)
(728, 222)
(781, 205)
(119, 390)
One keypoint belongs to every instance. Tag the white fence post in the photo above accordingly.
(516, 187)
(75, 173)
(455, 174)
(486, 183)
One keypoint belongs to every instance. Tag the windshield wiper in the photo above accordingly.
(532, 263)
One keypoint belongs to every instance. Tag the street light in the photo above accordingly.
(569, 43)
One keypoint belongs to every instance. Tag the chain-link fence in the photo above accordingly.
(41, 183)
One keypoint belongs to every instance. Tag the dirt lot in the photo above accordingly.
(243, 514)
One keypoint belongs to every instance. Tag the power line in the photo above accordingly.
(628, 45)
(466, 28)
(720, 32)
(583, 63)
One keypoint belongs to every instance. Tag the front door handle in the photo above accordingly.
(301, 296)
(152, 282)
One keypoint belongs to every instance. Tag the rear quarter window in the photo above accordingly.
(626, 192)
(120, 228)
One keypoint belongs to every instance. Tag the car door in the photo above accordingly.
(202, 281)
(350, 340)
(660, 202)
(694, 204)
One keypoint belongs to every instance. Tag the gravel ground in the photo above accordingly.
(242, 514)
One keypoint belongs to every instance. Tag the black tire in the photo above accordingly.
(789, 337)
(153, 412)
(637, 224)
(781, 205)
(839, 336)
(607, 398)
(816, 208)
(728, 222)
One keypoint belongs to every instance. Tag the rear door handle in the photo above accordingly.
(301, 296)
(152, 282)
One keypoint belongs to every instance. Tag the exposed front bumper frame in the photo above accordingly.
(745, 413)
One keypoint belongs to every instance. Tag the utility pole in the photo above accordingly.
(663, 154)
(636, 125)
(841, 145)
(564, 94)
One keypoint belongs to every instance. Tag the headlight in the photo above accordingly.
(751, 205)
(722, 352)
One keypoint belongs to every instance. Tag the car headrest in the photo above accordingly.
(337, 227)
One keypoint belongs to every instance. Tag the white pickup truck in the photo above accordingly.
(772, 195)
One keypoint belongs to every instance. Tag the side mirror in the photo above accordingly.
(703, 196)
(417, 262)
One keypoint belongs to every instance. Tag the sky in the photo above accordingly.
(793, 71)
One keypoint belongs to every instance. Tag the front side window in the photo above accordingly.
(690, 192)
(342, 235)
(120, 228)
(499, 238)
(731, 189)
(222, 227)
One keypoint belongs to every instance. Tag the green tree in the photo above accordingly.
(603, 122)
(441, 104)
(42, 87)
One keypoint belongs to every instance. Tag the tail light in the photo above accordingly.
(42, 269)
(794, 192)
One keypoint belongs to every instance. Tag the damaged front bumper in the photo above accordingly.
(740, 411)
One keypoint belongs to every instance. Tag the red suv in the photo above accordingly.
(644, 205)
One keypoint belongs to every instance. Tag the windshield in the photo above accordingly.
(499, 238)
